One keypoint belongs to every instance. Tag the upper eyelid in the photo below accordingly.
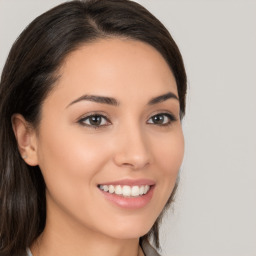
(93, 114)
(106, 116)
(163, 112)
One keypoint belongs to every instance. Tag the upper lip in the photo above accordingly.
(130, 182)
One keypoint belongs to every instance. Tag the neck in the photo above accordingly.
(62, 237)
(52, 245)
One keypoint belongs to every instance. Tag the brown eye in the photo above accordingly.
(94, 121)
(159, 119)
(162, 119)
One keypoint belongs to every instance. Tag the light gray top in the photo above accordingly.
(148, 249)
(29, 252)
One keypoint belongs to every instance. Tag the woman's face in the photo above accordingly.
(111, 123)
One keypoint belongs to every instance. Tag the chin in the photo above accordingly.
(131, 230)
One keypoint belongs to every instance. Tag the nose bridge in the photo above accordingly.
(132, 146)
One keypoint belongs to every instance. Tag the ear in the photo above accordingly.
(26, 139)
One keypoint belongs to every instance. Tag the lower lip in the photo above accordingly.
(129, 202)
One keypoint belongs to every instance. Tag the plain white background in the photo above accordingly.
(215, 209)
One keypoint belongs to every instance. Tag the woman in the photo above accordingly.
(91, 101)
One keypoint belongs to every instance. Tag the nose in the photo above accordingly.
(132, 149)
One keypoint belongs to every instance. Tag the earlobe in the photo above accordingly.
(26, 139)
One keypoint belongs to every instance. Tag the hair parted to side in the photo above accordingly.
(30, 74)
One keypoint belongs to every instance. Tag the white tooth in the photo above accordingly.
(126, 190)
(146, 189)
(101, 187)
(141, 190)
(135, 191)
(118, 190)
(105, 188)
(111, 189)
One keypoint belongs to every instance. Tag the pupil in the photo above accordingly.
(158, 119)
(95, 120)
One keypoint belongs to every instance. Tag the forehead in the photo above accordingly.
(115, 67)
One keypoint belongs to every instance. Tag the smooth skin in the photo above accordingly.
(128, 140)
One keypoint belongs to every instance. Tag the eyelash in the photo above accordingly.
(171, 119)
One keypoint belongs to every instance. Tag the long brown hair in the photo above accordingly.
(29, 75)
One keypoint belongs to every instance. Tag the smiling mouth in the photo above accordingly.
(126, 191)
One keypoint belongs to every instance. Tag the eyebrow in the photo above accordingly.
(162, 98)
(114, 102)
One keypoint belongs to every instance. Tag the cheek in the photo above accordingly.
(70, 164)
(68, 161)
(66, 148)
(169, 155)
